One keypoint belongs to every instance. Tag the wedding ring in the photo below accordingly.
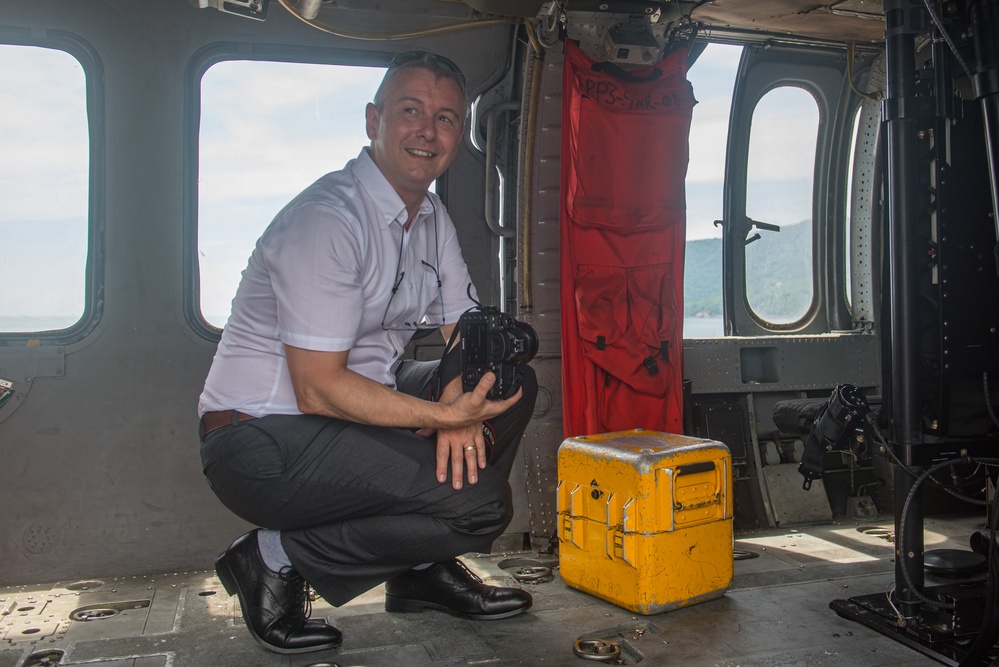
(470, 448)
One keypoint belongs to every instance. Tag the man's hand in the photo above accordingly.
(325, 386)
(465, 447)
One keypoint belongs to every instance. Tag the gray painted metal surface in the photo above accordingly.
(791, 505)
(786, 363)
(539, 298)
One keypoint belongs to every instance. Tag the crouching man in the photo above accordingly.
(361, 468)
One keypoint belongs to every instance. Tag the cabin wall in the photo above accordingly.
(101, 470)
(101, 473)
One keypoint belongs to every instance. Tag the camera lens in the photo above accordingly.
(516, 344)
(527, 342)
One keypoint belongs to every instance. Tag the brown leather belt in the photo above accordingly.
(212, 421)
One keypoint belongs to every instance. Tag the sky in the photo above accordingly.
(269, 130)
(712, 77)
(44, 162)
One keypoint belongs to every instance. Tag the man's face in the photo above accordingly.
(415, 136)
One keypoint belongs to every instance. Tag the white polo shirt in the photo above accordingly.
(321, 278)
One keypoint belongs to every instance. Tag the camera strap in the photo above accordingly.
(448, 369)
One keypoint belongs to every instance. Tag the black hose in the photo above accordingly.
(989, 629)
(905, 510)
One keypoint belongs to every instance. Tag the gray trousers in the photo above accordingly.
(356, 504)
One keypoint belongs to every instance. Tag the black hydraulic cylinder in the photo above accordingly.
(903, 114)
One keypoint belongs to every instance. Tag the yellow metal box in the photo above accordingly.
(645, 518)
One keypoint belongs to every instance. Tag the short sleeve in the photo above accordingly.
(314, 259)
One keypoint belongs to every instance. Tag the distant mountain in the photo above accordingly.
(702, 278)
(778, 274)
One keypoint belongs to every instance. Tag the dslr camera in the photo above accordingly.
(492, 341)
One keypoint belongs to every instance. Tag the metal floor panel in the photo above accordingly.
(776, 613)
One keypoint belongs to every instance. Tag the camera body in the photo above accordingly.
(492, 341)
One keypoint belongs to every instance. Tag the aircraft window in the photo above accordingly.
(268, 130)
(44, 188)
(779, 279)
(713, 77)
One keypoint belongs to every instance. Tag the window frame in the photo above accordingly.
(822, 73)
(198, 65)
(864, 278)
(93, 298)
(809, 311)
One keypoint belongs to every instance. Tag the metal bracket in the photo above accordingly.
(19, 366)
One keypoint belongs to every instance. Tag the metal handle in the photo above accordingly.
(491, 117)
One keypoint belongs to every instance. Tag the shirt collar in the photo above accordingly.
(382, 194)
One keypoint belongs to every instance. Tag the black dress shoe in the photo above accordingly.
(453, 588)
(275, 605)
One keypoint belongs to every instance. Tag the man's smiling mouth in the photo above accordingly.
(418, 153)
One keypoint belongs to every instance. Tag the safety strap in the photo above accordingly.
(811, 460)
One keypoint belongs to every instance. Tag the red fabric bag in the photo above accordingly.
(624, 161)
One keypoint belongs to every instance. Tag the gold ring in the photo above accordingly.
(470, 448)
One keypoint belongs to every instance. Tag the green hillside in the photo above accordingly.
(778, 271)
(702, 278)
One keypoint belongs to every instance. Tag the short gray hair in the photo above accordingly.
(440, 66)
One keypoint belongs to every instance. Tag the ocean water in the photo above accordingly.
(27, 323)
